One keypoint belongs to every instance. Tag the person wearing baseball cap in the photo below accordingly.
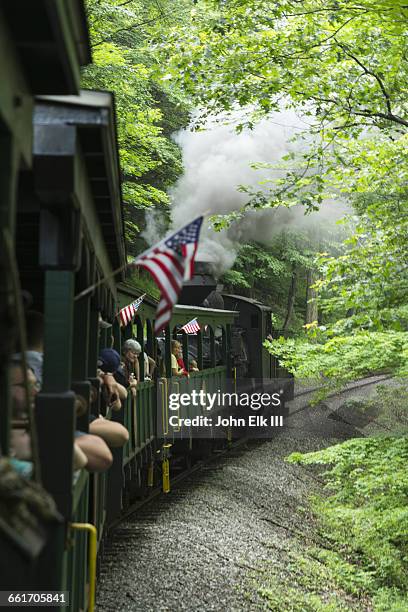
(109, 360)
(108, 363)
(114, 434)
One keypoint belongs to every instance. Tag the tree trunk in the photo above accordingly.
(311, 298)
(291, 299)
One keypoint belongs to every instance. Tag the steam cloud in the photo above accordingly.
(216, 162)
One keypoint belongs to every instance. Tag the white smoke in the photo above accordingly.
(218, 160)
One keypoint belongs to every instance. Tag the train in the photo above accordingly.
(62, 239)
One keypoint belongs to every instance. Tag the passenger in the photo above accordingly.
(80, 459)
(161, 367)
(108, 363)
(130, 365)
(180, 360)
(18, 390)
(98, 457)
(20, 442)
(193, 366)
(97, 454)
(114, 434)
(176, 370)
(35, 343)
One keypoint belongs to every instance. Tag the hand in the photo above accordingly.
(110, 385)
(116, 404)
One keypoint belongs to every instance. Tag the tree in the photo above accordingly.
(277, 274)
(342, 66)
(148, 110)
(311, 297)
(343, 62)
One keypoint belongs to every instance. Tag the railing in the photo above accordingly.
(210, 380)
(99, 484)
(138, 416)
(77, 559)
(139, 419)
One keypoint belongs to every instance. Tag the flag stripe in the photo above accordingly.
(161, 277)
(176, 280)
(190, 251)
(175, 259)
(163, 304)
(163, 315)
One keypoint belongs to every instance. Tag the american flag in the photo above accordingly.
(192, 327)
(128, 312)
(171, 262)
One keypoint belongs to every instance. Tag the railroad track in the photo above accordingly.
(234, 445)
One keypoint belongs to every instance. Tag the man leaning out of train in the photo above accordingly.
(114, 434)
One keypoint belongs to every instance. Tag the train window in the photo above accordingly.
(254, 320)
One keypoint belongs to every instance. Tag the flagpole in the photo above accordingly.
(114, 273)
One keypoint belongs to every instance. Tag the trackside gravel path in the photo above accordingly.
(205, 546)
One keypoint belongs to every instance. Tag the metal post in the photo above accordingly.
(228, 348)
(200, 350)
(8, 187)
(212, 347)
(117, 342)
(93, 342)
(55, 404)
(167, 352)
(140, 339)
(224, 346)
(184, 339)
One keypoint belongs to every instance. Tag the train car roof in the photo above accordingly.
(93, 114)
(251, 301)
(52, 41)
(207, 316)
(186, 307)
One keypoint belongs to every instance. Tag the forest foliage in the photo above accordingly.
(342, 66)
(148, 110)
(366, 516)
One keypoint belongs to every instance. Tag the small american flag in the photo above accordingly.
(192, 327)
(171, 262)
(128, 312)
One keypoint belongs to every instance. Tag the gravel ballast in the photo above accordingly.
(202, 546)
